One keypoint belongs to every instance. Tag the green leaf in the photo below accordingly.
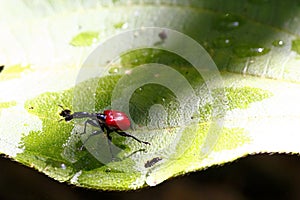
(44, 43)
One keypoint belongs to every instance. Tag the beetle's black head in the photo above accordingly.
(66, 114)
(101, 117)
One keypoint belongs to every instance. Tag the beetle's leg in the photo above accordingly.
(110, 144)
(90, 122)
(103, 127)
(93, 123)
(128, 135)
(85, 141)
(108, 131)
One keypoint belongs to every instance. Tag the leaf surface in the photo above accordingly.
(254, 44)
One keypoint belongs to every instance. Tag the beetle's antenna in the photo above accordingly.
(60, 113)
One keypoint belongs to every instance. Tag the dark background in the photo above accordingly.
(254, 177)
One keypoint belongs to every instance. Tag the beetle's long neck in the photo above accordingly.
(84, 115)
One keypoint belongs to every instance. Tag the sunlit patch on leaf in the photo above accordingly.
(232, 138)
(243, 97)
(14, 71)
(119, 25)
(85, 39)
(7, 104)
(238, 97)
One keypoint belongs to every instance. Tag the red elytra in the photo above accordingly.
(116, 120)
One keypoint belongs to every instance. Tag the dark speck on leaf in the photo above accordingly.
(163, 35)
(152, 162)
(1, 68)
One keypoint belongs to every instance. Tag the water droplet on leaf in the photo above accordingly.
(250, 50)
(113, 70)
(222, 42)
(229, 22)
(63, 166)
(278, 43)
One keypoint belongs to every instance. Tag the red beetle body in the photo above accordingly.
(116, 120)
